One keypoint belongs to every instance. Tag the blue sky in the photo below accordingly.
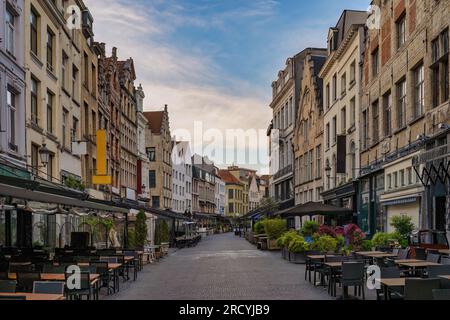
(213, 60)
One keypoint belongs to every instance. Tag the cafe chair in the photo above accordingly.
(133, 264)
(25, 280)
(421, 254)
(106, 278)
(353, 275)
(432, 257)
(441, 294)
(436, 271)
(48, 287)
(85, 289)
(390, 273)
(421, 289)
(403, 254)
(309, 266)
(8, 286)
(445, 260)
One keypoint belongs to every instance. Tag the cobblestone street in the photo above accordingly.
(221, 267)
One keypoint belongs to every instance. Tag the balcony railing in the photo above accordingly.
(283, 172)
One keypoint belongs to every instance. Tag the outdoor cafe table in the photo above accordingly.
(422, 264)
(35, 296)
(381, 255)
(399, 261)
(392, 283)
(367, 253)
(447, 252)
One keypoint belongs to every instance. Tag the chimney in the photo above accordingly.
(114, 52)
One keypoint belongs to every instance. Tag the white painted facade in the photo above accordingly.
(181, 177)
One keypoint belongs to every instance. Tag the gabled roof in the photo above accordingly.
(228, 178)
(155, 120)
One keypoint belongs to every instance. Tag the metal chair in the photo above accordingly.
(421, 254)
(436, 271)
(432, 257)
(421, 289)
(25, 280)
(441, 294)
(106, 277)
(48, 287)
(85, 289)
(8, 286)
(445, 260)
(389, 273)
(353, 275)
(403, 254)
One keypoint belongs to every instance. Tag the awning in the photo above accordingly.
(314, 209)
(398, 202)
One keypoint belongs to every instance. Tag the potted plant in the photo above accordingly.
(141, 231)
(298, 248)
(325, 244)
(284, 241)
(309, 229)
(274, 229)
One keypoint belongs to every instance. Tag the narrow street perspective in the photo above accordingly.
(221, 267)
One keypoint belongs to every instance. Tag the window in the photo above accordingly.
(327, 132)
(334, 87)
(375, 62)
(34, 32)
(352, 112)
(282, 119)
(34, 158)
(409, 176)
(389, 181)
(231, 208)
(151, 154)
(343, 84)
(64, 69)
(50, 98)
(352, 160)
(50, 44)
(86, 70)
(376, 121)
(65, 116)
(395, 178)
(365, 133)
(334, 129)
(34, 101)
(439, 69)
(343, 120)
(152, 179)
(419, 88)
(155, 202)
(231, 194)
(318, 162)
(94, 80)
(11, 115)
(74, 136)
(401, 104)
(402, 178)
(51, 159)
(401, 31)
(327, 92)
(9, 30)
(74, 81)
(353, 72)
(387, 109)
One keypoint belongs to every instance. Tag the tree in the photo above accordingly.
(403, 225)
(140, 229)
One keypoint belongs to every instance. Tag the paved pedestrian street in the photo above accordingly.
(221, 267)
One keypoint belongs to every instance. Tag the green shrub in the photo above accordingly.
(298, 245)
(403, 226)
(325, 244)
(274, 228)
(258, 227)
(141, 229)
(367, 245)
(309, 228)
(383, 239)
(340, 241)
(286, 239)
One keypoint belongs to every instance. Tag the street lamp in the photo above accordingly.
(44, 153)
(328, 170)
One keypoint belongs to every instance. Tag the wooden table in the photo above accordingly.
(365, 253)
(446, 251)
(399, 261)
(319, 256)
(35, 296)
(392, 283)
(414, 265)
(56, 277)
(381, 255)
(334, 265)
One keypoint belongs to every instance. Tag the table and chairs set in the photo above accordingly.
(35, 275)
(426, 277)
(188, 241)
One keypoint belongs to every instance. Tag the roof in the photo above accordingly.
(312, 209)
(228, 178)
(155, 120)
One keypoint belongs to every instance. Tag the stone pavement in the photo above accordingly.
(221, 267)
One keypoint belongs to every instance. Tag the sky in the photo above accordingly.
(213, 61)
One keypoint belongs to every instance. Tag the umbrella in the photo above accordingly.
(314, 209)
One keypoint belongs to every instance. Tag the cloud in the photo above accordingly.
(194, 86)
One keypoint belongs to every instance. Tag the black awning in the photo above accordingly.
(314, 209)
